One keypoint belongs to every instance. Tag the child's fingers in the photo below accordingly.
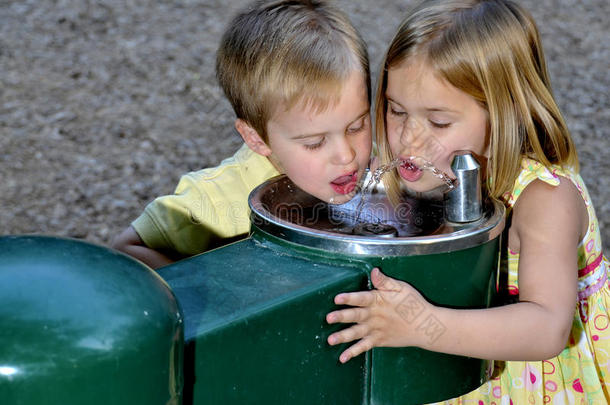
(354, 350)
(349, 315)
(382, 282)
(350, 334)
(356, 299)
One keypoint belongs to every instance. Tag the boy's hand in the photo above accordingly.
(386, 316)
(130, 242)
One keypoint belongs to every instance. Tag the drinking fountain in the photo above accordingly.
(245, 323)
(255, 310)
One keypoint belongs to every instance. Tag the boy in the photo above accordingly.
(297, 76)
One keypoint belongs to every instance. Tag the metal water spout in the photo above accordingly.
(464, 202)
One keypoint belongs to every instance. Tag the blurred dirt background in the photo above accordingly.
(104, 104)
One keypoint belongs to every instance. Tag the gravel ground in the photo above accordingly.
(104, 104)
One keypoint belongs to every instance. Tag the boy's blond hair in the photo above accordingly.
(279, 53)
(491, 50)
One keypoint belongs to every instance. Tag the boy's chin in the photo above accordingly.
(330, 196)
(340, 198)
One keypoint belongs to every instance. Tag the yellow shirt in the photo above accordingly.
(207, 206)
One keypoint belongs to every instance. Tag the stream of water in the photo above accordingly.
(379, 172)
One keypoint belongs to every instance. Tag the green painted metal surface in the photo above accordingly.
(82, 324)
(459, 279)
(256, 331)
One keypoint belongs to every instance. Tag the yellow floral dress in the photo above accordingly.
(580, 374)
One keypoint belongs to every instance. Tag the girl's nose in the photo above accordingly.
(343, 152)
(412, 130)
(415, 139)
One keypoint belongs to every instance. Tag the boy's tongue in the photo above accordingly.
(344, 184)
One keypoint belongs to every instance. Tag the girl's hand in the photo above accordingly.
(383, 317)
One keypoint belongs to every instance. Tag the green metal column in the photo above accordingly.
(82, 324)
(255, 327)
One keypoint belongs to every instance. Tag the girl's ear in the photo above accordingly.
(252, 138)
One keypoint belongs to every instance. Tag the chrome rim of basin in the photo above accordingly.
(276, 203)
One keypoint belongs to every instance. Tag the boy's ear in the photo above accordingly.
(252, 138)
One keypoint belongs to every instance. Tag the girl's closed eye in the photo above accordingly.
(440, 125)
(397, 113)
(394, 110)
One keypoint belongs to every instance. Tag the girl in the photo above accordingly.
(471, 75)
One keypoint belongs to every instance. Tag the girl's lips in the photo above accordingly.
(409, 171)
(345, 184)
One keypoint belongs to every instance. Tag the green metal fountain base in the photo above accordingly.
(256, 332)
(244, 324)
(255, 327)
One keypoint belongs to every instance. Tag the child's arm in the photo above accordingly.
(546, 227)
(130, 242)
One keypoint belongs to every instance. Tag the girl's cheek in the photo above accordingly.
(395, 148)
(393, 138)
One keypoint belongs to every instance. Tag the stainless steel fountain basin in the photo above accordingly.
(282, 209)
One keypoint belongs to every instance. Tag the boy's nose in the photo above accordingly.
(344, 153)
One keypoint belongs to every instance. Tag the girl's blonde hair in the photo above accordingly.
(279, 53)
(491, 50)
